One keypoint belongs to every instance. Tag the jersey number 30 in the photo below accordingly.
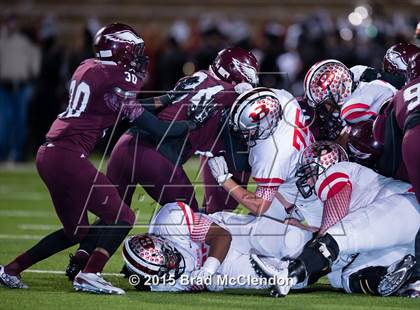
(79, 98)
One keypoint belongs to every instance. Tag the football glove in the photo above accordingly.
(219, 169)
(183, 87)
(199, 112)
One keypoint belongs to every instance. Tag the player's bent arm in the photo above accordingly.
(219, 240)
(249, 200)
(158, 128)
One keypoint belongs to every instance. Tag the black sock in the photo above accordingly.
(416, 273)
(365, 281)
(112, 236)
(46, 247)
(89, 243)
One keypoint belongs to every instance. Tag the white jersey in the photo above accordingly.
(366, 101)
(263, 235)
(367, 185)
(275, 159)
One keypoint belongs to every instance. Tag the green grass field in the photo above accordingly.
(26, 214)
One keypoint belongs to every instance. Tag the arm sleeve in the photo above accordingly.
(266, 192)
(158, 128)
(149, 103)
(201, 227)
(336, 207)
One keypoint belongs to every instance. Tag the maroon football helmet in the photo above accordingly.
(121, 44)
(236, 65)
(396, 57)
(362, 146)
(413, 67)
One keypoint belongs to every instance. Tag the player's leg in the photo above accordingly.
(105, 202)
(215, 197)
(366, 272)
(120, 172)
(161, 179)
(411, 154)
(59, 181)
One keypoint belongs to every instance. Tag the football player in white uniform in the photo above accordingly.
(362, 212)
(183, 249)
(338, 99)
(273, 124)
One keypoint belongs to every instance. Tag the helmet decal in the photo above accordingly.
(124, 36)
(246, 70)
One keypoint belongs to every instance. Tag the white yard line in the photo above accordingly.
(62, 272)
(20, 213)
(20, 237)
(37, 227)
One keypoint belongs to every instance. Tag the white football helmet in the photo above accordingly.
(255, 114)
(326, 80)
(315, 160)
(150, 255)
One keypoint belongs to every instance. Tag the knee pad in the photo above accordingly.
(318, 255)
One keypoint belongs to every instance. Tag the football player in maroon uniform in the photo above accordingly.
(74, 183)
(156, 164)
(165, 180)
(401, 136)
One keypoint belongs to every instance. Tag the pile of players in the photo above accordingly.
(337, 174)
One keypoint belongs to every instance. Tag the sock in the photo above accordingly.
(96, 262)
(366, 281)
(89, 243)
(110, 240)
(46, 247)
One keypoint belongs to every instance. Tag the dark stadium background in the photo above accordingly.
(184, 36)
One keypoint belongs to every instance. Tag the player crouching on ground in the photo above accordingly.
(187, 251)
(362, 212)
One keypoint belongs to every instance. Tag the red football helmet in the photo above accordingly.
(121, 44)
(396, 57)
(315, 160)
(413, 67)
(236, 65)
(362, 146)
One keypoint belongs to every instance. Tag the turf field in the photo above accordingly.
(26, 214)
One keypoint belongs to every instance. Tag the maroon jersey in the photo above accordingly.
(88, 115)
(203, 138)
(406, 101)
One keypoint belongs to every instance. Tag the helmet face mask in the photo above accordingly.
(314, 161)
(255, 115)
(147, 255)
(327, 84)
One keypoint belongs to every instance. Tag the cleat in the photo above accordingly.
(94, 283)
(11, 281)
(74, 267)
(270, 267)
(397, 275)
(411, 290)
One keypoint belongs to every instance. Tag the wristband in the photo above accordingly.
(211, 265)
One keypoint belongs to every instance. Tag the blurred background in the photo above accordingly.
(43, 41)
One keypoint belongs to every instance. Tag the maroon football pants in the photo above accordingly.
(411, 157)
(77, 187)
(134, 161)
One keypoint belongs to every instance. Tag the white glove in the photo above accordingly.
(219, 169)
(242, 87)
(203, 276)
(199, 278)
